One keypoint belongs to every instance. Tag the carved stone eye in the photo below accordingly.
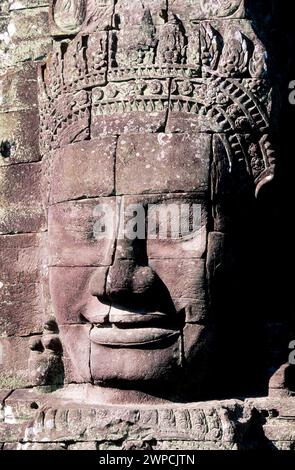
(69, 14)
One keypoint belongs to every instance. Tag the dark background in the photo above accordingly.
(257, 325)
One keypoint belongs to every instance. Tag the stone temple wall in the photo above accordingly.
(33, 362)
(24, 42)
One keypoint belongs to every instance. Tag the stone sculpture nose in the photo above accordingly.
(129, 277)
(130, 283)
(133, 287)
(126, 279)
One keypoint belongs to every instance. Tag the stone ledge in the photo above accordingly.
(34, 421)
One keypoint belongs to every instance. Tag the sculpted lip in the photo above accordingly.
(117, 337)
(119, 316)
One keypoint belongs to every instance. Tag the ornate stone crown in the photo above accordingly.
(211, 78)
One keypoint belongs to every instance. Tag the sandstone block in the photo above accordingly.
(84, 169)
(20, 203)
(163, 163)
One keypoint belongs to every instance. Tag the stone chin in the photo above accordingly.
(153, 367)
(147, 359)
(129, 366)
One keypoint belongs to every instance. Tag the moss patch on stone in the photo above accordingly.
(12, 382)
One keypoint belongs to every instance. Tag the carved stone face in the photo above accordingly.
(131, 306)
(159, 112)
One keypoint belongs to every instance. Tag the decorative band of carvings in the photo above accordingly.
(204, 425)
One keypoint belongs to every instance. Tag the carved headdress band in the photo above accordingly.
(210, 80)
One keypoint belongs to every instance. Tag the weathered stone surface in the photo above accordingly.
(219, 262)
(71, 374)
(150, 155)
(19, 87)
(22, 405)
(19, 117)
(114, 108)
(278, 425)
(191, 241)
(11, 433)
(73, 337)
(239, 36)
(19, 136)
(222, 425)
(111, 365)
(128, 15)
(73, 240)
(195, 311)
(183, 278)
(4, 8)
(25, 51)
(83, 446)
(194, 336)
(174, 226)
(194, 445)
(22, 305)
(20, 204)
(65, 19)
(21, 292)
(35, 446)
(105, 124)
(3, 395)
(14, 371)
(195, 9)
(199, 422)
(45, 361)
(85, 169)
(140, 103)
(16, 5)
(25, 35)
(281, 382)
(33, 25)
(72, 305)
